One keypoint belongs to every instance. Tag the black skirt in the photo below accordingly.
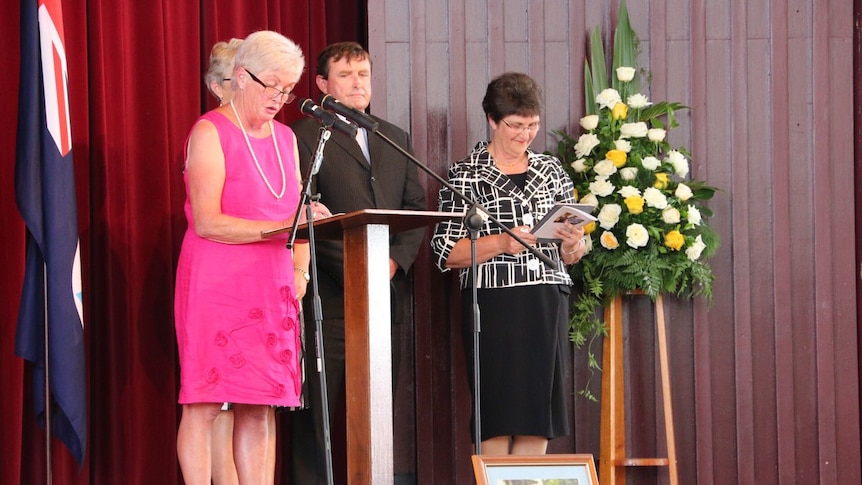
(521, 349)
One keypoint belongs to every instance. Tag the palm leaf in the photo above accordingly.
(589, 92)
(625, 49)
(597, 61)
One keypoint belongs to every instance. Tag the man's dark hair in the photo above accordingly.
(351, 51)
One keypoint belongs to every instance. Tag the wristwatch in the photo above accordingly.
(303, 272)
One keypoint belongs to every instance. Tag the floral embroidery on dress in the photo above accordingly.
(255, 314)
(213, 376)
(237, 360)
(221, 339)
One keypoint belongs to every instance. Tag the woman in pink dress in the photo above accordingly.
(237, 292)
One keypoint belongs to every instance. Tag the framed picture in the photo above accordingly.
(535, 470)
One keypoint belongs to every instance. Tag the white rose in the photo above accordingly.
(589, 199)
(605, 168)
(608, 98)
(679, 162)
(601, 187)
(638, 101)
(590, 122)
(683, 192)
(656, 134)
(670, 215)
(654, 198)
(637, 236)
(629, 191)
(585, 144)
(578, 165)
(694, 215)
(633, 130)
(694, 251)
(650, 163)
(623, 145)
(588, 244)
(629, 173)
(625, 74)
(609, 215)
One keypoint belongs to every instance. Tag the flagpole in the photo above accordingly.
(48, 454)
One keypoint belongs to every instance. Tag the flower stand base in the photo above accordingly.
(613, 459)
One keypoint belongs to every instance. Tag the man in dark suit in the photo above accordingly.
(361, 173)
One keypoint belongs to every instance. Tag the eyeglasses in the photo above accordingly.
(280, 96)
(519, 128)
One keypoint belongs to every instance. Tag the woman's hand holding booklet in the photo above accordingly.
(575, 214)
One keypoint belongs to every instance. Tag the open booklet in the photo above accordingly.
(576, 214)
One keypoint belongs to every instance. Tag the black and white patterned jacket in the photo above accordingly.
(480, 180)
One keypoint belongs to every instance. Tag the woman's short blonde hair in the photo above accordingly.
(266, 50)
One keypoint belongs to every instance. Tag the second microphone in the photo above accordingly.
(326, 118)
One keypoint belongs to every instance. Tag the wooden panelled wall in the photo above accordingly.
(766, 378)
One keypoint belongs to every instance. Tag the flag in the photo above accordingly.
(45, 195)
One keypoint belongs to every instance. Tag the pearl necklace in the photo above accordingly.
(254, 157)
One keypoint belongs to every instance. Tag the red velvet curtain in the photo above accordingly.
(135, 70)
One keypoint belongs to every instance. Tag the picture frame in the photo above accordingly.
(553, 469)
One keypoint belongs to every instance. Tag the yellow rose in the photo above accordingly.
(590, 227)
(619, 111)
(635, 204)
(619, 157)
(609, 241)
(661, 180)
(674, 240)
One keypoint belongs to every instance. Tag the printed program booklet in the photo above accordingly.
(576, 214)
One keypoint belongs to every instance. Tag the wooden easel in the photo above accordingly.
(612, 458)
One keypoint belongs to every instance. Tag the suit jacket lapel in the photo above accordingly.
(351, 147)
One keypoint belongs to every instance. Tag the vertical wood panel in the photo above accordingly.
(517, 58)
(476, 77)
(784, 334)
(477, 80)
(516, 21)
(458, 33)
(377, 40)
(658, 50)
(496, 36)
(767, 374)
(826, 447)
(558, 88)
(417, 64)
(840, 425)
(397, 88)
(742, 232)
(701, 407)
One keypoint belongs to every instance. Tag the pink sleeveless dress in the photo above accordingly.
(237, 328)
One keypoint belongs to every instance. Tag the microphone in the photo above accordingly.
(354, 115)
(328, 119)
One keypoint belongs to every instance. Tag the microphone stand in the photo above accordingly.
(317, 308)
(474, 220)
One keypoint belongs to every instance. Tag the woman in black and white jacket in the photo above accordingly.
(523, 303)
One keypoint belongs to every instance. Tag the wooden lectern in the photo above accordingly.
(367, 320)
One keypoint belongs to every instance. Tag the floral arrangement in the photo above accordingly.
(651, 235)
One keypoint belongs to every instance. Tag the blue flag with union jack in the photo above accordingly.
(45, 194)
